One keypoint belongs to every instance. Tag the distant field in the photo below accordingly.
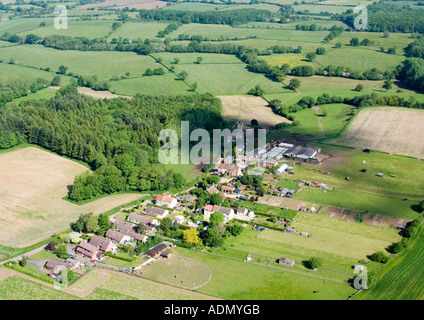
(136, 4)
(32, 184)
(138, 30)
(104, 64)
(393, 130)
(247, 108)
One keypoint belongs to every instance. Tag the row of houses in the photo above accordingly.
(229, 213)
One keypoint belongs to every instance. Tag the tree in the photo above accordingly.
(56, 81)
(148, 72)
(359, 87)
(314, 263)
(386, 34)
(194, 86)
(216, 218)
(338, 45)
(214, 238)
(235, 229)
(320, 51)
(62, 69)
(379, 257)
(216, 199)
(421, 206)
(61, 251)
(191, 236)
(183, 75)
(199, 60)
(311, 56)
(294, 84)
(387, 85)
(166, 224)
(354, 42)
(176, 60)
(23, 261)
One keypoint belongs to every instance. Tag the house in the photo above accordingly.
(271, 163)
(227, 212)
(87, 250)
(157, 250)
(117, 237)
(231, 170)
(156, 212)
(227, 189)
(179, 219)
(242, 211)
(102, 244)
(286, 262)
(166, 201)
(123, 225)
(138, 218)
(56, 266)
(135, 236)
(212, 190)
(150, 230)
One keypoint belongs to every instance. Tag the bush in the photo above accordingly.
(379, 257)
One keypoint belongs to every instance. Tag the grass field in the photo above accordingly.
(393, 130)
(251, 281)
(400, 281)
(138, 30)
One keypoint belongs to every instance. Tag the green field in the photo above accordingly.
(138, 30)
(401, 280)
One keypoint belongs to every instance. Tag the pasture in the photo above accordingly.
(393, 130)
(32, 185)
(138, 30)
(247, 108)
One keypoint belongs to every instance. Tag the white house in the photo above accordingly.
(179, 219)
(166, 201)
(117, 237)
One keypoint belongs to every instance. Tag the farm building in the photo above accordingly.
(286, 262)
(302, 153)
(281, 169)
(159, 249)
(293, 231)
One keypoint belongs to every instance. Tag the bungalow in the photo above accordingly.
(56, 266)
(117, 237)
(155, 212)
(286, 262)
(227, 189)
(188, 198)
(135, 236)
(87, 250)
(166, 201)
(157, 250)
(138, 218)
(102, 244)
(123, 225)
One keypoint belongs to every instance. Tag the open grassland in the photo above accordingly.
(138, 30)
(402, 279)
(226, 79)
(251, 281)
(314, 123)
(342, 87)
(360, 201)
(32, 185)
(216, 31)
(86, 63)
(329, 241)
(178, 271)
(13, 71)
(136, 4)
(76, 28)
(393, 130)
(247, 108)
(343, 162)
